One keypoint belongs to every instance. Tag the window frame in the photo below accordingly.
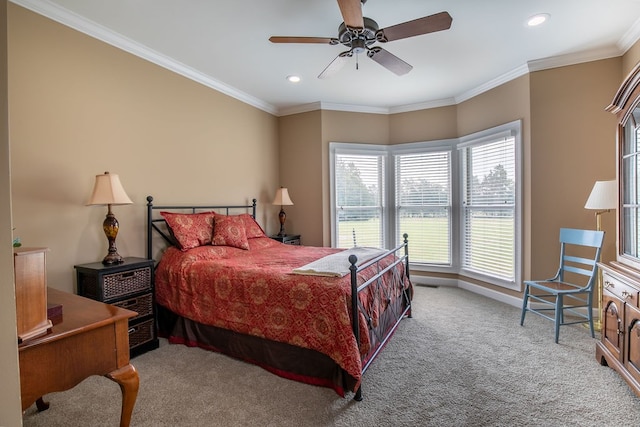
(423, 148)
(338, 148)
(512, 129)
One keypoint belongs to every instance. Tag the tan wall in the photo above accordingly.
(346, 127)
(504, 104)
(424, 125)
(572, 146)
(630, 59)
(10, 413)
(80, 107)
(304, 156)
(301, 173)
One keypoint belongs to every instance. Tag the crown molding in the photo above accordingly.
(304, 108)
(491, 84)
(297, 109)
(630, 37)
(92, 29)
(422, 106)
(573, 59)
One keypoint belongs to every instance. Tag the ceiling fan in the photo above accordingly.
(358, 33)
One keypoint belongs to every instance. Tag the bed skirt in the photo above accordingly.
(285, 360)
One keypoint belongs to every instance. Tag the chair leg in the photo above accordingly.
(590, 314)
(559, 317)
(525, 300)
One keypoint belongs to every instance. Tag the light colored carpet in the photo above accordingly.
(461, 360)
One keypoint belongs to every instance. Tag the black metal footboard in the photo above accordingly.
(357, 288)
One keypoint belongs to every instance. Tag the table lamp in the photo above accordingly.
(108, 191)
(282, 198)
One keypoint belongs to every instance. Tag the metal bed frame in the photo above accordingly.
(356, 306)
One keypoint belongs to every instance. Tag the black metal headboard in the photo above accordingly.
(153, 223)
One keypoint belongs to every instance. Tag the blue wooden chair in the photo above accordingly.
(571, 289)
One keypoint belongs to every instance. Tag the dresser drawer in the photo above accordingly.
(625, 292)
(127, 282)
(143, 305)
(141, 333)
(110, 283)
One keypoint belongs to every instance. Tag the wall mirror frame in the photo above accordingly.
(626, 106)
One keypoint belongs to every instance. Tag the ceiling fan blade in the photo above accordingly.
(428, 24)
(389, 61)
(320, 40)
(335, 65)
(351, 13)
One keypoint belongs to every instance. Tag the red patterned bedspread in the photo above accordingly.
(255, 292)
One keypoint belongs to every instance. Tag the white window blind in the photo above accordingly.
(489, 208)
(423, 205)
(359, 199)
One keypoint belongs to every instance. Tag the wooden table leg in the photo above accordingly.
(41, 404)
(128, 380)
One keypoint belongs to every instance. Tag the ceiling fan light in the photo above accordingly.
(538, 19)
(293, 79)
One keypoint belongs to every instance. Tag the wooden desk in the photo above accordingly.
(92, 339)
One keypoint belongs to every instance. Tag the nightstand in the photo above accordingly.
(287, 239)
(128, 285)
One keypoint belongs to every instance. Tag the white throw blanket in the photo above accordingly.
(337, 265)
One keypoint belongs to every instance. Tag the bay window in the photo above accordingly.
(465, 191)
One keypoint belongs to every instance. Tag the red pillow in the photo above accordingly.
(190, 230)
(229, 231)
(251, 227)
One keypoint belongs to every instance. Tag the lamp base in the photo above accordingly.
(282, 216)
(112, 259)
(110, 227)
(597, 326)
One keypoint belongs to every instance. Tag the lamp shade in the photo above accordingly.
(604, 195)
(108, 190)
(282, 197)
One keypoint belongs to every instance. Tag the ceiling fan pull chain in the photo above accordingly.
(357, 65)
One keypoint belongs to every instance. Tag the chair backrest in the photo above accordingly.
(581, 264)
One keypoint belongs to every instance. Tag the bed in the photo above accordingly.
(221, 284)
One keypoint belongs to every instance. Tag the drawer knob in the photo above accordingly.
(626, 294)
(608, 284)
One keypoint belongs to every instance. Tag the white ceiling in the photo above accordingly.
(224, 45)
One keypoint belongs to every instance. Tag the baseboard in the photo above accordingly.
(490, 293)
(476, 289)
(433, 281)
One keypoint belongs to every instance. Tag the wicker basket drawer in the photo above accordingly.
(141, 333)
(143, 305)
(126, 282)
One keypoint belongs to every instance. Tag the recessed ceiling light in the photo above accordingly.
(293, 79)
(538, 19)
